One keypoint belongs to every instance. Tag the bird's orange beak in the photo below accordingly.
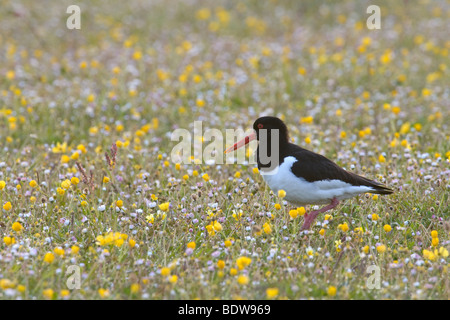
(242, 142)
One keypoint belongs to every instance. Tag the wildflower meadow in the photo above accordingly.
(94, 205)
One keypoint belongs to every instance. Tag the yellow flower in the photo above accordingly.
(137, 55)
(65, 159)
(200, 103)
(173, 279)
(267, 229)
(434, 234)
(405, 144)
(119, 242)
(75, 156)
(7, 206)
(119, 203)
(221, 264)
(75, 181)
(191, 245)
(65, 293)
(404, 129)
(60, 191)
(17, 226)
(277, 206)
(393, 143)
(381, 248)
(366, 249)
(301, 71)
(75, 249)
(49, 257)
(60, 148)
(387, 228)
(362, 133)
(429, 255)
(59, 251)
(306, 119)
(443, 252)
(48, 293)
(281, 193)
(10, 74)
(301, 211)
(164, 206)
(426, 92)
(131, 243)
(233, 271)
(165, 271)
(9, 240)
(203, 14)
(255, 170)
(205, 177)
(396, 110)
(272, 293)
(185, 177)
(135, 287)
(243, 280)
(435, 242)
(337, 245)
(82, 148)
(103, 293)
(243, 262)
(6, 284)
(381, 158)
(344, 227)
(105, 179)
(210, 229)
(375, 217)
(331, 291)
(33, 183)
(227, 243)
(150, 218)
(2, 185)
(217, 226)
(66, 184)
(21, 288)
(293, 213)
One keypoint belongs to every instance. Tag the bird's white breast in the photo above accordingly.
(301, 192)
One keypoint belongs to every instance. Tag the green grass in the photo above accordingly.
(136, 71)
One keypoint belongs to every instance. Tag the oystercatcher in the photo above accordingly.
(305, 176)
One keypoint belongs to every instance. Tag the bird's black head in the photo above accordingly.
(270, 124)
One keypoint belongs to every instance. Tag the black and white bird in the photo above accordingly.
(305, 176)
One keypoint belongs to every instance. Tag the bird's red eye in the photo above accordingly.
(260, 126)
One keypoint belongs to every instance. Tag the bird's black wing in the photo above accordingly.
(315, 167)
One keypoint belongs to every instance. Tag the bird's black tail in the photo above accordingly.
(378, 189)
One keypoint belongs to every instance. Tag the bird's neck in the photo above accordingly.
(270, 153)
